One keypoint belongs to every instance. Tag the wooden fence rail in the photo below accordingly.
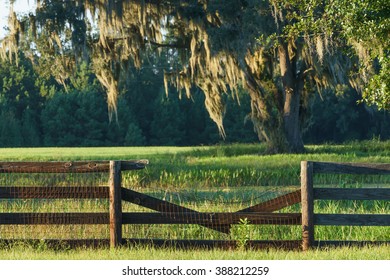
(68, 166)
(310, 194)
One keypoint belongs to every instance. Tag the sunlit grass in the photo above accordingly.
(151, 253)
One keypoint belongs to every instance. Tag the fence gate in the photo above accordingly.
(168, 213)
(69, 203)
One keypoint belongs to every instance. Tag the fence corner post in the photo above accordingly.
(115, 204)
(307, 201)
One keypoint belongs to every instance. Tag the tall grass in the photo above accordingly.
(217, 166)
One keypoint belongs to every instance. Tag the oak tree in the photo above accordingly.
(279, 51)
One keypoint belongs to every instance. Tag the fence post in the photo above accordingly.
(115, 204)
(307, 201)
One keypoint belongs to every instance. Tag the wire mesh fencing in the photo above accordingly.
(56, 201)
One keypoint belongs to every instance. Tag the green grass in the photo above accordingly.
(150, 253)
(223, 178)
(218, 166)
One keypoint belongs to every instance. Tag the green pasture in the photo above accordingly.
(223, 178)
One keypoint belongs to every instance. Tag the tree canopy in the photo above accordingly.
(279, 51)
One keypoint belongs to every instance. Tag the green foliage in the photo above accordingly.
(367, 24)
(168, 124)
(74, 119)
(35, 112)
(241, 233)
(134, 136)
(338, 118)
(20, 105)
(10, 129)
(378, 90)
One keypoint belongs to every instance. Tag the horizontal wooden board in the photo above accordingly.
(352, 219)
(211, 219)
(276, 203)
(186, 243)
(134, 164)
(352, 194)
(352, 168)
(53, 218)
(164, 243)
(67, 166)
(159, 205)
(349, 243)
(59, 244)
(209, 244)
(53, 192)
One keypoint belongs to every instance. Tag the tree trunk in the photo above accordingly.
(267, 123)
(276, 116)
(292, 95)
(291, 123)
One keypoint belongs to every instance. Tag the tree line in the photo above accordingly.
(36, 111)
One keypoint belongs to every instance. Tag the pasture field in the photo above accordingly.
(222, 178)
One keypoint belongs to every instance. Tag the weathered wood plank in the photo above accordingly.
(188, 243)
(352, 219)
(276, 203)
(67, 166)
(349, 243)
(164, 243)
(351, 168)
(150, 202)
(53, 218)
(226, 244)
(59, 244)
(134, 164)
(307, 204)
(115, 204)
(162, 206)
(53, 192)
(211, 219)
(272, 204)
(352, 194)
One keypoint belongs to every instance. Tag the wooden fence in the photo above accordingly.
(310, 194)
(170, 213)
(166, 212)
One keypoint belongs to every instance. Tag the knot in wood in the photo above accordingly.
(137, 201)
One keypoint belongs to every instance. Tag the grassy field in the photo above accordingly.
(213, 179)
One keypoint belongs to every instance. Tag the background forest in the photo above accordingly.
(36, 111)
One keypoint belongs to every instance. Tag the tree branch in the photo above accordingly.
(176, 45)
